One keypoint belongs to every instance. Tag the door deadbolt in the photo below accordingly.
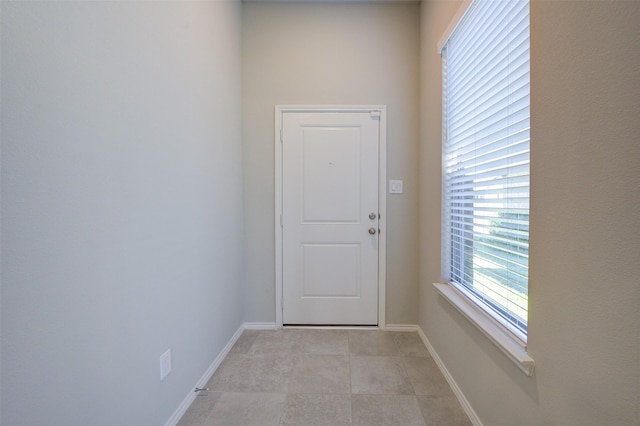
(372, 215)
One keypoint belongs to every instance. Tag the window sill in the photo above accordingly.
(506, 343)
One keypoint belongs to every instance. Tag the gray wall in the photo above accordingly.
(121, 205)
(330, 54)
(122, 197)
(584, 256)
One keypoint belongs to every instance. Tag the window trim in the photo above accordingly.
(508, 343)
(453, 24)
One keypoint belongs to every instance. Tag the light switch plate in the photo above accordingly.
(395, 187)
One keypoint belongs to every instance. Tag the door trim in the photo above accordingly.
(382, 197)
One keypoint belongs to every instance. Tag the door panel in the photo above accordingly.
(342, 279)
(330, 163)
(329, 189)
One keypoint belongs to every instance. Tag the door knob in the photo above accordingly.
(372, 231)
(372, 215)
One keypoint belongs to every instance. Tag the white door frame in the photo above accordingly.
(382, 199)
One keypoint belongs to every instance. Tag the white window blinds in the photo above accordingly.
(486, 159)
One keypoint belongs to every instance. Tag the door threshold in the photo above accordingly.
(331, 327)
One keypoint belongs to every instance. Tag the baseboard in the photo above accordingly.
(473, 417)
(259, 326)
(401, 327)
(186, 403)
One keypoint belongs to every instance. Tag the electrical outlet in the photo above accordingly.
(165, 364)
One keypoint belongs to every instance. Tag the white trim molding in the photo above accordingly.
(188, 400)
(402, 327)
(260, 326)
(466, 406)
(506, 343)
(453, 24)
(191, 396)
(382, 198)
(186, 403)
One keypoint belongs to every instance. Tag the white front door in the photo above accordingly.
(330, 217)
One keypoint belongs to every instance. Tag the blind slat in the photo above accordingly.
(486, 138)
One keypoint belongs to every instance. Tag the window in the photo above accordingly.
(485, 220)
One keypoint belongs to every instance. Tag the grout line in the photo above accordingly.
(299, 350)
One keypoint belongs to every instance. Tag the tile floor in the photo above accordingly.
(311, 377)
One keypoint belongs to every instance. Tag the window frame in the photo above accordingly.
(507, 337)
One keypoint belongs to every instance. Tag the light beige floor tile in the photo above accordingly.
(247, 409)
(243, 345)
(200, 409)
(264, 364)
(386, 410)
(325, 342)
(373, 342)
(379, 375)
(258, 373)
(442, 411)
(426, 377)
(321, 374)
(283, 341)
(317, 410)
(410, 344)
